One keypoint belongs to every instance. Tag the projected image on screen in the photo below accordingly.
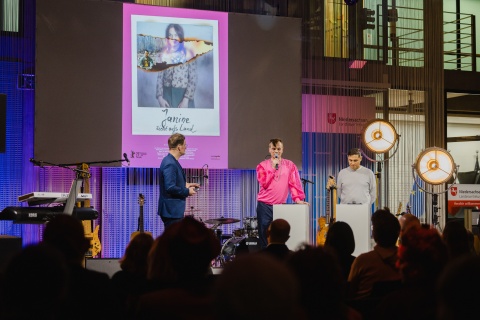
(175, 81)
(174, 61)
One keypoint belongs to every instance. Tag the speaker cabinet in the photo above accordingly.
(9, 246)
(108, 266)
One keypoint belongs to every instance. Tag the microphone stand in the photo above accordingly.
(304, 182)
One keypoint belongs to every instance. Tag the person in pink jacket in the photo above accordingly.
(276, 176)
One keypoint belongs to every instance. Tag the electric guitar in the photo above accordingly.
(141, 202)
(90, 233)
(399, 210)
(331, 207)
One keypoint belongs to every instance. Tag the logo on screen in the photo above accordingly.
(453, 191)
(136, 154)
(331, 118)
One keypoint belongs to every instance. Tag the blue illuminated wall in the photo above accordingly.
(17, 60)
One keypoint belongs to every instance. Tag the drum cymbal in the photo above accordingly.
(222, 221)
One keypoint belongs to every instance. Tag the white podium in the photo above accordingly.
(358, 217)
(298, 216)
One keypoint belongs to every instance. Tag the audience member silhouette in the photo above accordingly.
(471, 241)
(179, 264)
(379, 264)
(341, 239)
(256, 286)
(458, 291)
(35, 285)
(130, 282)
(278, 233)
(322, 287)
(456, 238)
(89, 294)
(422, 257)
(407, 221)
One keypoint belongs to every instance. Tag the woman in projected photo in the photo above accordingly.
(176, 84)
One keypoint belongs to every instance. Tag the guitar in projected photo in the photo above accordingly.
(141, 202)
(331, 207)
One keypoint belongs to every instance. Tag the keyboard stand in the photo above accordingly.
(72, 196)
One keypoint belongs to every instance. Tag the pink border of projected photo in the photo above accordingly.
(146, 122)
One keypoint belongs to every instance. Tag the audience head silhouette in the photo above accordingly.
(456, 237)
(408, 221)
(256, 287)
(35, 285)
(315, 268)
(457, 291)
(422, 255)
(66, 233)
(135, 258)
(385, 228)
(340, 237)
(184, 251)
(278, 231)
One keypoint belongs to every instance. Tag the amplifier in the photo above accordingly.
(108, 266)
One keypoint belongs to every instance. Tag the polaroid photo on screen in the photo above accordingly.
(175, 76)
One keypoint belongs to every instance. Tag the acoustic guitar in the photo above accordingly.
(331, 207)
(141, 202)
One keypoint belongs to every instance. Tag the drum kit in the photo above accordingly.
(243, 240)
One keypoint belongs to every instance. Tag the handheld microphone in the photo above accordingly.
(205, 171)
(276, 165)
(126, 158)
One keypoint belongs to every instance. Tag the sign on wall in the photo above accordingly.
(463, 196)
(336, 114)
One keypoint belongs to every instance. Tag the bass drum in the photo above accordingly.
(237, 246)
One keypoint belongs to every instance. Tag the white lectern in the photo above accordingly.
(358, 217)
(298, 216)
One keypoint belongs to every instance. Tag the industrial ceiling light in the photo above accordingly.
(435, 166)
(379, 136)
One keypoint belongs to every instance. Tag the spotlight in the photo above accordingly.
(379, 136)
(435, 166)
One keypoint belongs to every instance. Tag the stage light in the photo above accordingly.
(350, 2)
(435, 166)
(379, 136)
